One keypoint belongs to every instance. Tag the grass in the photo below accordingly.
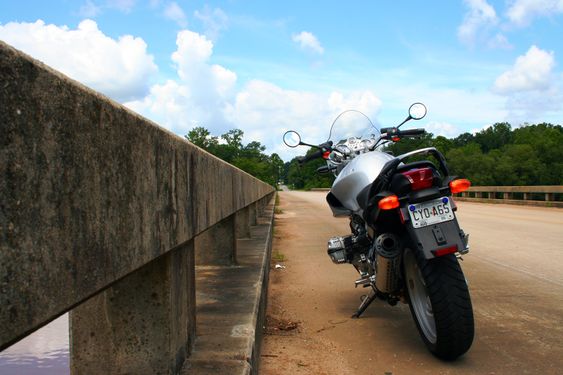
(278, 257)
(277, 209)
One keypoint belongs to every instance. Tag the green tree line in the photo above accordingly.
(498, 155)
(250, 157)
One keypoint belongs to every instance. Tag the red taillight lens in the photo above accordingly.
(445, 251)
(459, 185)
(389, 203)
(421, 178)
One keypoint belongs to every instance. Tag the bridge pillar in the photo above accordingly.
(254, 209)
(243, 223)
(217, 246)
(143, 324)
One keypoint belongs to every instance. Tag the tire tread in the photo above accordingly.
(451, 305)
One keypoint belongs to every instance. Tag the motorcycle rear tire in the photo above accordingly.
(440, 303)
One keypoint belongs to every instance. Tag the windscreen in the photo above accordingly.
(352, 123)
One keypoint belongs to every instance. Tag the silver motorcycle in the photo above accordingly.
(405, 239)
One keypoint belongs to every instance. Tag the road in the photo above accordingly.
(515, 279)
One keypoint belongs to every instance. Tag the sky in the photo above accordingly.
(269, 66)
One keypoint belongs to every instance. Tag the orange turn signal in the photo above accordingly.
(459, 186)
(389, 203)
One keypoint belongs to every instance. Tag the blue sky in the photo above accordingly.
(266, 67)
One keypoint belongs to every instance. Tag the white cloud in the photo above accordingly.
(123, 5)
(204, 95)
(444, 129)
(199, 95)
(265, 112)
(121, 69)
(308, 42)
(214, 21)
(532, 71)
(534, 106)
(480, 16)
(192, 59)
(499, 41)
(176, 14)
(89, 10)
(531, 87)
(522, 12)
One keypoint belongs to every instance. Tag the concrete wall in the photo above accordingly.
(519, 195)
(91, 192)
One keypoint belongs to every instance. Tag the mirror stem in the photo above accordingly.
(306, 144)
(407, 119)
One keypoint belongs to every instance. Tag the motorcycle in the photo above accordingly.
(405, 239)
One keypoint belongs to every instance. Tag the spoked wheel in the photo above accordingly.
(440, 303)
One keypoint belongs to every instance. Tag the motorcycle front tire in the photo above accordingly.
(439, 302)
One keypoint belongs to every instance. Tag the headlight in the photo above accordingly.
(343, 149)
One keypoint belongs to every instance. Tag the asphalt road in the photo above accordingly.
(514, 270)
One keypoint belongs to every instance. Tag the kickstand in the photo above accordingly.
(365, 303)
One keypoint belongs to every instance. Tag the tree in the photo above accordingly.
(250, 158)
(305, 176)
(494, 137)
(277, 167)
(498, 155)
(201, 137)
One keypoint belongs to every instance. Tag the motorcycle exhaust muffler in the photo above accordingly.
(388, 249)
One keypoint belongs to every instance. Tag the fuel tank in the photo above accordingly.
(355, 176)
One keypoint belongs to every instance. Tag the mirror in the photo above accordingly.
(291, 138)
(417, 111)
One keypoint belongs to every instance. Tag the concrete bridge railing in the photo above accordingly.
(547, 196)
(104, 213)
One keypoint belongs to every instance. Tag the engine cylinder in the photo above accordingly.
(342, 249)
(388, 250)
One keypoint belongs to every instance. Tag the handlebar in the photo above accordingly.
(314, 155)
(390, 133)
(323, 148)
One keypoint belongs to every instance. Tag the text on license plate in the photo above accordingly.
(431, 212)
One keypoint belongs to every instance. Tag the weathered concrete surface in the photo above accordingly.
(218, 244)
(242, 222)
(110, 334)
(231, 304)
(91, 192)
(519, 202)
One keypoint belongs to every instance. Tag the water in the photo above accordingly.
(43, 352)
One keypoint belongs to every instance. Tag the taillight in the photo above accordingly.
(421, 178)
(389, 203)
(445, 251)
(459, 186)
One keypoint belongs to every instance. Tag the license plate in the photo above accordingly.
(431, 212)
